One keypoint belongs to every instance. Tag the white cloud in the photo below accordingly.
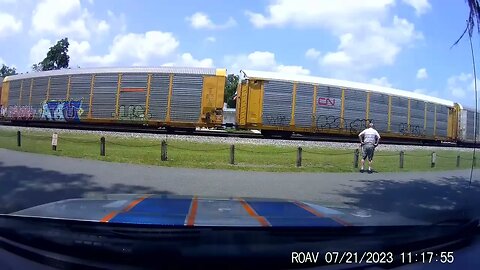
(103, 26)
(462, 85)
(143, 53)
(200, 20)
(144, 46)
(187, 60)
(39, 50)
(65, 18)
(363, 29)
(457, 92)
(382, 81)
(261, 60)
(132, 48)
(117, 20)
(422, 73)
(320, 13)
(420, 6)
(78, 49)
(336, 59)
(210, 39)
(9, 25)
(359, 51)
(292, 70)
(312, 53)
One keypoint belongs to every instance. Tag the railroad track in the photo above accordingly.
(217, 133)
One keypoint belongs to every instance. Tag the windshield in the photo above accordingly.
(301, 115)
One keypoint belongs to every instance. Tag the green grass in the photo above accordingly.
(216, 156)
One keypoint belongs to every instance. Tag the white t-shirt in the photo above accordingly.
(370, 135)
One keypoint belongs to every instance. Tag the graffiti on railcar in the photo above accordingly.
(323, 122)
(62, 110)
(328, 122)
(358, 125)
(3, 111)
(276, 119)
(132, 112)
(15, 112)
(407, 129)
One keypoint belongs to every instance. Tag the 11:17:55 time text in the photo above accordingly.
(427, 257)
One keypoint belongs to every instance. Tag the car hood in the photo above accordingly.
(170, 210)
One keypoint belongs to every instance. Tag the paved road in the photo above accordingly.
(30, 179)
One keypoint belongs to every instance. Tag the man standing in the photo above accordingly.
(369, 142)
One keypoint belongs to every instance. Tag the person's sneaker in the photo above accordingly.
(362, 170)
(370, 171)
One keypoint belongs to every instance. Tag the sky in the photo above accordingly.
(404, 44)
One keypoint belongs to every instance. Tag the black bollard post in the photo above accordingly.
(19, 139)
(164, 156)
(458, 161)
(102, 146)
(402, 157)
(232, 154)
(356, 154)
(299, 157)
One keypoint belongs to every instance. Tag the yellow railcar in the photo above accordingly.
(163, 96)
(277, 103)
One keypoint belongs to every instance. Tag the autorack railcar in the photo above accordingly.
(277, 103)
(161, 96)
(467, 126)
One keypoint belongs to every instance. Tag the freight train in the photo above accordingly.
(277, 104)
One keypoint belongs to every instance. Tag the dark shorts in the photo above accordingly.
(368, 150)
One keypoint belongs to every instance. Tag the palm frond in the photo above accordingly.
(473, 20)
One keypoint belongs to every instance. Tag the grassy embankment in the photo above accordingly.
(216, 156)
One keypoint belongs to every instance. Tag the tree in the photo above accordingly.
(230, 89)
(37, 67)
(472, 20)
(7, 71)
(57, 57)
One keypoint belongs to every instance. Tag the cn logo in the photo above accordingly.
(329, 102)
